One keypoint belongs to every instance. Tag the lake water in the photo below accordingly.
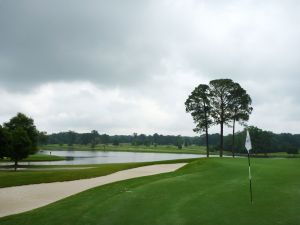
(101, 157)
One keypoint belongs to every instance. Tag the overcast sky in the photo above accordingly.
(128, 66)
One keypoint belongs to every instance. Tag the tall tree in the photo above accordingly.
(27, 124)
(198, 104)
(21, 145)
(221, 96)
(240, 109)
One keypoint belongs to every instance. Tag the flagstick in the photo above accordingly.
(250, 178)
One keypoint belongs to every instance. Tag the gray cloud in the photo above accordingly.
(149, 54)
(45, 41)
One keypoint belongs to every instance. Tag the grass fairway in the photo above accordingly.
(38, 158)
(206, 191)
(41, 158)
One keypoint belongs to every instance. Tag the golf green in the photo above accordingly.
(207, 191)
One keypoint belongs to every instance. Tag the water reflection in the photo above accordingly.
(101, 157)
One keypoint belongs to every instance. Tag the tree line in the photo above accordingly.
(262, 141)
(93, 138)
(18, 138)
(222, 102)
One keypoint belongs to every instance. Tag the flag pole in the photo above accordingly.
(248, 147)
(250, 178)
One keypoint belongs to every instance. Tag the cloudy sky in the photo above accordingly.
(127, 66)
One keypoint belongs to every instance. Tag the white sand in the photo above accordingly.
(24, 198)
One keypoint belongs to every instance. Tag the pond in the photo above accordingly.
(101, 157)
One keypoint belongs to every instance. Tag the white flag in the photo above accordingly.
(248, 142)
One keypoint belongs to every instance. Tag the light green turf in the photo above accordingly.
(207, 191)
(22, 177)
(38, 158)
(42, 157)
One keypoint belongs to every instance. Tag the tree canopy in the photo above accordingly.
(18, 138)
(27, 124)
(241, 109)
(21, 145)
(220, 102)
(199, 105)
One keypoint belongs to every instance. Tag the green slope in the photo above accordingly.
(206, 191)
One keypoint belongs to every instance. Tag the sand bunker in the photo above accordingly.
(23, 198)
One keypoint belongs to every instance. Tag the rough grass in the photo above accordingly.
(206, 191)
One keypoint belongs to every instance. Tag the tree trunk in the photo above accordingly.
(206, 132)
(222, 124)
(16, 165)
(221, 140)
(233, 136)
(207, 144)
